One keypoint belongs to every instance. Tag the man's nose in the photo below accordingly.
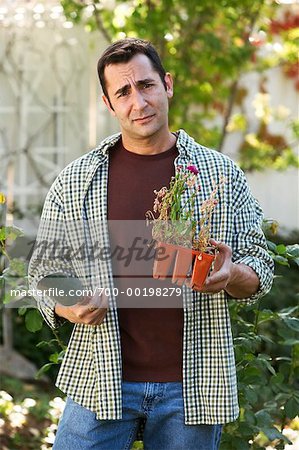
(138, 99)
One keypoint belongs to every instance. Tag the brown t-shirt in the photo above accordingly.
(151, 338)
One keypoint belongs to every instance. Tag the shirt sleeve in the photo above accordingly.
(249, 243)
(47, 257)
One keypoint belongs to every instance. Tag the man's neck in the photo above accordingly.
(151, 145)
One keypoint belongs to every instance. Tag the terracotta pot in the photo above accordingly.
(201, 269)
(183, 265)
(164, 258)
(189, 267)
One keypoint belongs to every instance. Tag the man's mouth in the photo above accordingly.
(144, 119)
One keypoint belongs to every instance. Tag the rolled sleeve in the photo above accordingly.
(42, 262)
(46, 306)
(249, 242)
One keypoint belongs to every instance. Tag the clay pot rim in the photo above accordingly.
(212, 251)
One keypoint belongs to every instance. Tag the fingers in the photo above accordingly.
(97, 301)
(90, 315)
(90, 310)
(97, 317)
(221, 273)
(220, 246)
(213, 242)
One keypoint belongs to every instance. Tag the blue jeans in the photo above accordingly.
(161, 405)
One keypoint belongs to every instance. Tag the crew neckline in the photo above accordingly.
(133, 155)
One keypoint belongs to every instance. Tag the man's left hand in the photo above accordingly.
(238, 280)
(222, 272)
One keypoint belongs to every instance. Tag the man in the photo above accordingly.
(172, 368)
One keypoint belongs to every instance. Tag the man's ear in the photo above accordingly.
(169, 84)
(108, 104)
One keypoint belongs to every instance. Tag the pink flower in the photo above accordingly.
(192, 169)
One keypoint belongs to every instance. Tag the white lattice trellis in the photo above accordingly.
(43, 108)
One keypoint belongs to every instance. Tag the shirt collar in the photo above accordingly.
(184, 143)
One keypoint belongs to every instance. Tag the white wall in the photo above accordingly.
(278, 194)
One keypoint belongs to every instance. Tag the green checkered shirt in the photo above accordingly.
(91, 371)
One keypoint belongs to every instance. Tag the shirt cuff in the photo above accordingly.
(46, 307)
(264, 273)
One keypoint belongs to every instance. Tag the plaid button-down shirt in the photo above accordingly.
(91, 371)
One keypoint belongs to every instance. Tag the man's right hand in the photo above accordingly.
(90, 310)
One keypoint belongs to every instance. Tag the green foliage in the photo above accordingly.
(33, 320)
(55, 357)
(267, 359)
(208, 47)
(10, 233)
(30, 413)
(13, 275)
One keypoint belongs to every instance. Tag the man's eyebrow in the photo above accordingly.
(139, 83)
(145, 81)
(122, 89)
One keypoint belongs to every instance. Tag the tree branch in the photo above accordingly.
(228, 113)
(100, 24)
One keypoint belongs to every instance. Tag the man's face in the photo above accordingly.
(138, 97)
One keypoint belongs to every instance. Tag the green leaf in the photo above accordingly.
(266, 314)
(33, 321)
(288, 311)
(54, 358)
(272, 433)
(281, 249)
(292, 323)
(271, 246)
(290, 342)
(22, 311)
(43, 370)
(2, 234)
(61, 355)
(249, 357)
(10, 233)
(278, 378)
(293, 251)
(245, 429)
(291, 408)
(49, 343)
(296, 261)
(281, 260)
(265, 360)
(263, 418)
(251, 375)
(251, 395)
(266, 339)
(137, 445)
(285, 332)
(250, 418)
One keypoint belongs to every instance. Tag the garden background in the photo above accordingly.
(235, 66)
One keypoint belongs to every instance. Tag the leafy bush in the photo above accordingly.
(29, 415)
(267, 359)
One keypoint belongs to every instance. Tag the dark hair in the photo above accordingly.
(123, 51)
